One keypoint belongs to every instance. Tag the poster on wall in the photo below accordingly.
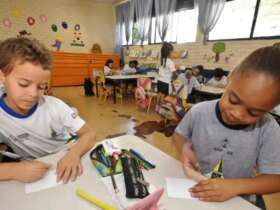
(57, 44)
(77, 37)
(16, 12)
(54, 27)
(64, 24)
(43, 18)
(7, 23)
(30, 21)
(77, 41)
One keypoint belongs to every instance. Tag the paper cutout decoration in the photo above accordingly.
(16, 12)
(77, 27)
(228, 57)
(184, 54)
(64, 25)
(77, 40)
(218, 48)
(57, 44)
(30, 21)
(43, 18)
(142, 54)
(149, 53)
(155, 54)
(54, 28)
(23, 33)
(7, 23)
(135, 35)
(276, 44)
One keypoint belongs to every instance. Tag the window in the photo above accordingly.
(183, 30)
(235, 21)
(268, 21)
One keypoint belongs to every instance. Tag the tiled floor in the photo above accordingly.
(103, 117)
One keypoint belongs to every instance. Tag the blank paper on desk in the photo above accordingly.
(179, 188)
(48, 181)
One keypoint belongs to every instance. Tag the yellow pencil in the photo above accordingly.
(95, 201)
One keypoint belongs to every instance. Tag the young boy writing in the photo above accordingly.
(31, 124)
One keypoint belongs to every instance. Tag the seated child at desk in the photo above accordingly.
(197, 73)
(130, 68)
(190, 83)
(33, 125)
(218, 79)
(108, 67)
(238, 132)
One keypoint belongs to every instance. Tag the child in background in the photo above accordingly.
(108, 67)
(166, 69)
(219, 79)
(190, 83)
(237, 131)
(197, 72)
(130, 68)
(33, 125)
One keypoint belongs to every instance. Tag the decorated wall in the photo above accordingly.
(62, 25)
(213, 54)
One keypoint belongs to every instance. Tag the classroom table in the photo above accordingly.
(62, 197)
(119, 78)
(208, 93)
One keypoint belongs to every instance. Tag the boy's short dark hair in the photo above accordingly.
(263, 60)
(21, 50)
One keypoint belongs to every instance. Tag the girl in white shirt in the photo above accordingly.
(218, 79)
(108, 67)
(166, 70)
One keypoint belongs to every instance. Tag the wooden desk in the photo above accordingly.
(13, 197)
(119, 78)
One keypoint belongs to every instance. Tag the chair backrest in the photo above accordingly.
(98, 75)
(145, 83)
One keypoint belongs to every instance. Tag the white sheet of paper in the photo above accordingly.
(178, 187)
(48, 181)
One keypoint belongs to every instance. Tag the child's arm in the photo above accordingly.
(224, 189)
(190, 163)
(25, 171)
(69, 167)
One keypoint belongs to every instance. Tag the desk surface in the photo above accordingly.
(212, 90)
(13, 197)
(130, 76)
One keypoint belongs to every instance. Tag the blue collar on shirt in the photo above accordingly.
(219, 116)
(11, 112)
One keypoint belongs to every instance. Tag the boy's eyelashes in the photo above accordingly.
(40, 87)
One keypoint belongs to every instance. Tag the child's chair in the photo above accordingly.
(143, 94)
(106, 90)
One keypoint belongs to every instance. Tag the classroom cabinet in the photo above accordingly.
(70, 69)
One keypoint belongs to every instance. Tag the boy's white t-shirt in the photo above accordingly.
(213, 81)
(165, 73)
(44, 130)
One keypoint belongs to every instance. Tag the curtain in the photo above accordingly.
(143, 14)
(209, 13)
(118, 35)
(164, 16)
